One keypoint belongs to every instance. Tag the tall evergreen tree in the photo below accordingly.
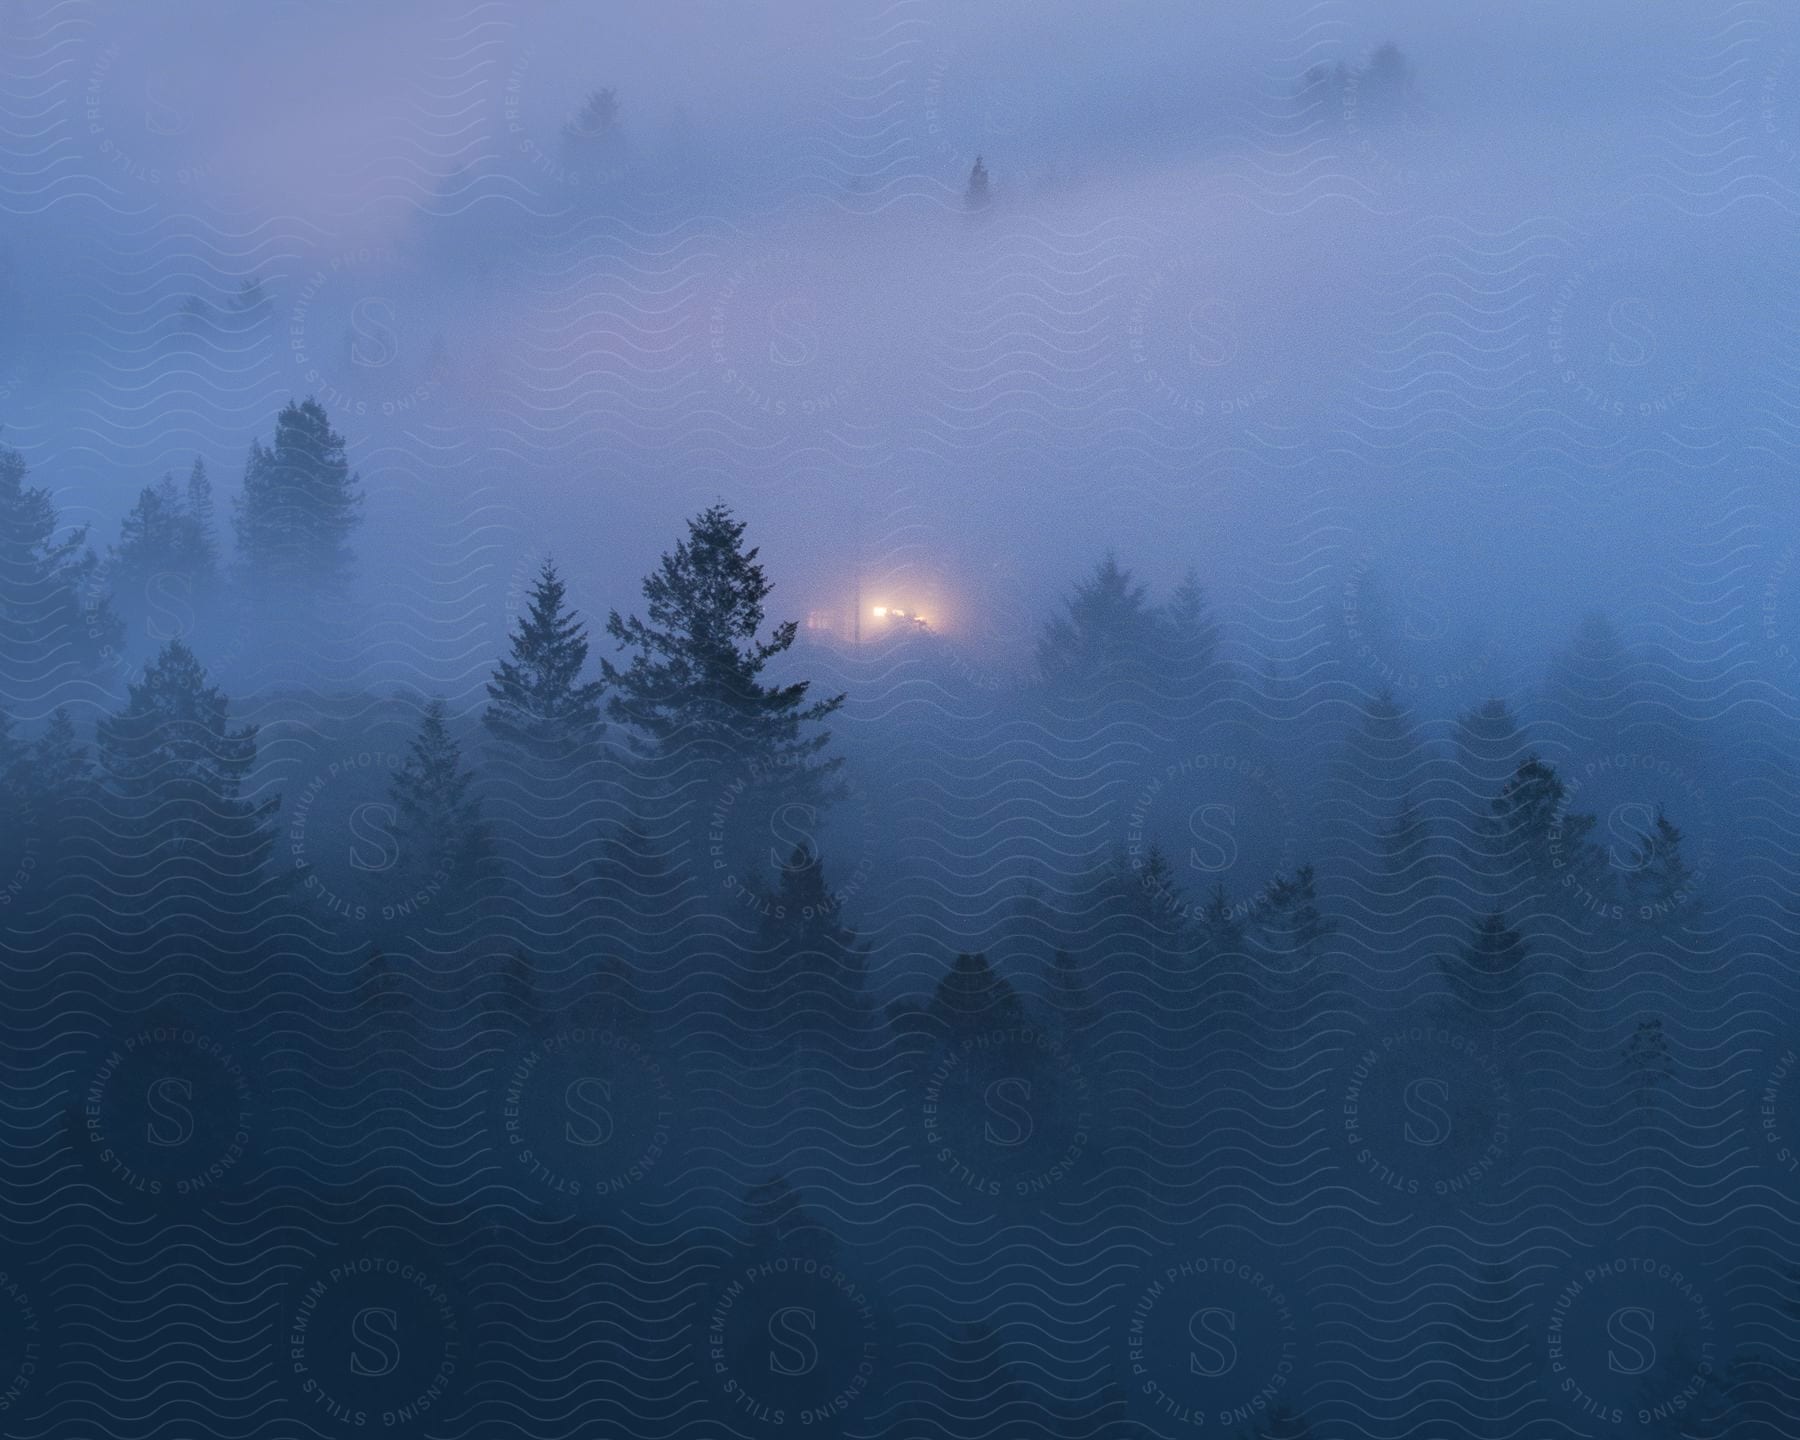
(694, 695)
(537, 700)
(1287, 933)
(445, 848)
(1107, 632)
(971, 996)
(174, 769)
(975, 197)
(1588, 687)
(1538, 848)
(205, 532)
(1220, 926)
(18, 839)
(53, 794)
(1191, 643)
(808, 973)
(53, 612)
(1489, 974)
(300, 505)
(1660, 887)
(596, 120)
(164, 535)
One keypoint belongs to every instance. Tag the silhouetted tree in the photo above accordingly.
(53, 613)
(1538, 847)
(975, 197)
(164, 535)
(694, 696)
(1385, 87)
(1190, 645)
(52, 827)
(1659, 886)
(1406, 853)
(445, 847)
(971, 996)
(204, 530)
(537, 700)
(809, 972)
(299, 506)
(1587, 688)
(1489, 974)
(1219, 928)
(174, 770)
(597, 119)
(1107, 632)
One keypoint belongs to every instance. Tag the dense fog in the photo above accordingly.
(899, 720)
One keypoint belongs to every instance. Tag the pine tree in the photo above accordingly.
(597, 119)
(694, 695)
(1191, 641)
(165, 536)
(805, 934)
(1107, 632)
(1405, 847)
(1659, 886)
(537, 700)
(1489, 974)
(1220, 927)
(1588, 686)
(975, 197)
(174, 769)
(805, 981)
(445, 850)
(299, 505)
(1138, 904)
(1538, 848)
(637, 880)
(1410, 867)
(1288, 931)
(1385, 85)
(51, 790)
(18, 838)
(204, 533)
(971, 997)
(1489, 747)
(53, 613)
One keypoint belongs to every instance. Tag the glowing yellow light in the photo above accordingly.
(880, 611)
(900, 614)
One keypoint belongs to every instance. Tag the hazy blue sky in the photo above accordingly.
(1519, 341)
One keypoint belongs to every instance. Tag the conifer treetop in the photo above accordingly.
(695, 679)
(537, 698)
